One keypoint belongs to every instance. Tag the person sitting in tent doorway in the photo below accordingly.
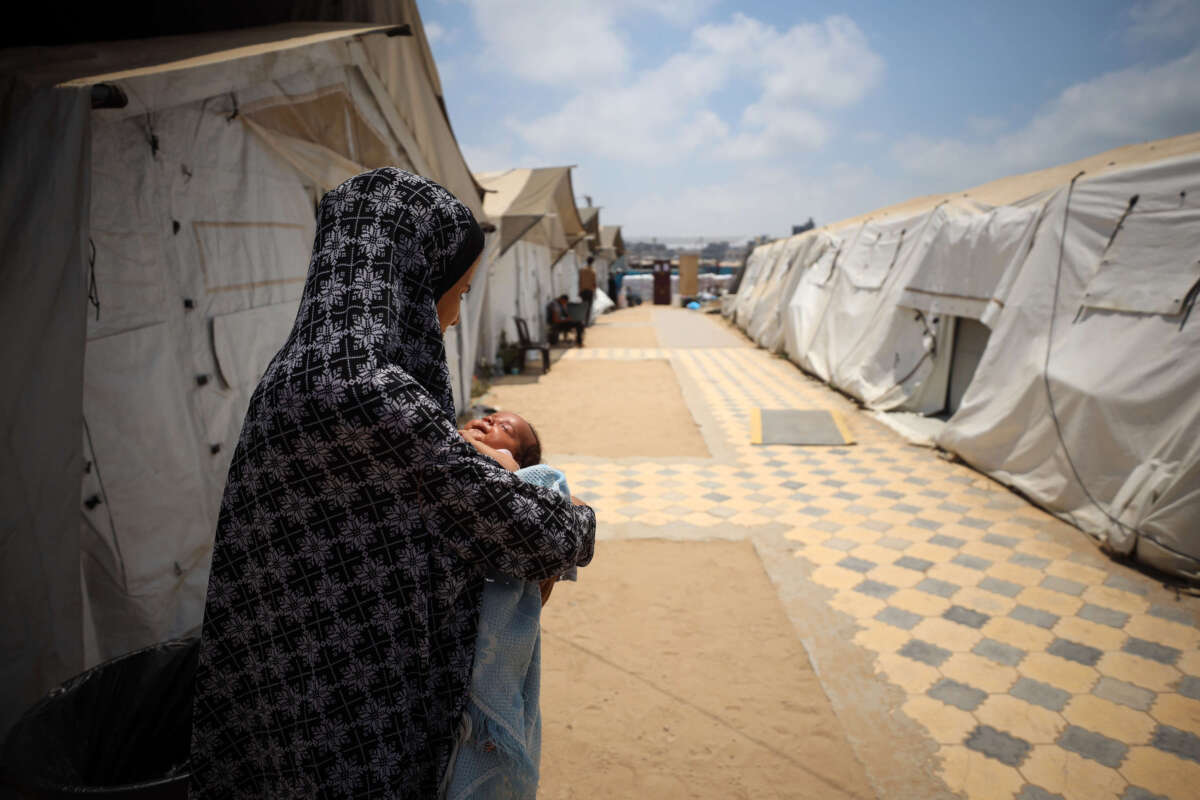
(558, 320)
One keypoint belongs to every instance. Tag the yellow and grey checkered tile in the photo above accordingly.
(1039, 668)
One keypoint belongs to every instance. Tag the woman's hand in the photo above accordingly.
(547, 586)
(503, 459)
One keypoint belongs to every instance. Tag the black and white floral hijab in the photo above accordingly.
(411, 241)
(356, 525)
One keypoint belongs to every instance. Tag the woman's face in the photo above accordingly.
(448, 305)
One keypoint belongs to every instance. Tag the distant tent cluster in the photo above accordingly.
(1040, 327)
(543, 244)
(159, 203)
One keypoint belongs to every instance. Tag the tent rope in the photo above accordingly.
(93, 294)
(1062, 241)
(112, 526)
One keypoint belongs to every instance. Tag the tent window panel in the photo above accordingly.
(127, 230)
(1152, 265)
(246, 341)
(330, 118)
(869, 263)
(268, 260)
(966, 258)
(129, 281)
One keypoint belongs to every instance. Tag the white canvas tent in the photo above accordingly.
(771, 328)
(610, 255)
(1088, 395)
(946, 304)
(186, 216)
(536, 256)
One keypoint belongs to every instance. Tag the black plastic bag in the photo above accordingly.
(121, 729)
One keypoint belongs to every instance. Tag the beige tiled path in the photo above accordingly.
(971, 643)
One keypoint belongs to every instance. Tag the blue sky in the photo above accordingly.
(730, 119)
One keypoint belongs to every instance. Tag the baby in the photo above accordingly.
(499, 738)
(507, 433)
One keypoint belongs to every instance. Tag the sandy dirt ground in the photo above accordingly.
(869, 621)
(621, 335)
(611, 409)
(670, 670)
(679, 327)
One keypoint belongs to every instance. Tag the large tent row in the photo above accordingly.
(540, 252)
(160, 198)
(1039, 327)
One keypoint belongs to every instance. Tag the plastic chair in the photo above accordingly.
(526, 344)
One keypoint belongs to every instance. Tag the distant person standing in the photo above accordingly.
(587, 285)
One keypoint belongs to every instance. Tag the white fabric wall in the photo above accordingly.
(1123, 372)
(519, 284)
(213, 217)
(602, 268)
(772, 334)
(758, 267)
(463, 341)
(876, 318)
(564, 277)
(766, 307)
(806, 309)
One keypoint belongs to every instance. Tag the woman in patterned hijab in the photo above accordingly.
(357, 525)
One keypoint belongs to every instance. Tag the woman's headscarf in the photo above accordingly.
(388, 245)
(356, 525)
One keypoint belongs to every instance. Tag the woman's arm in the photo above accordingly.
(484, 514)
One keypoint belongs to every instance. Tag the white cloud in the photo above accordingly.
(560, 43)
(489, 158)
(830, 62)
(434, 32)
(662, 114)
(986, 126)
(1164, 20)
(1129, 105)
(567, 42)
(765, 200)
(770, 128)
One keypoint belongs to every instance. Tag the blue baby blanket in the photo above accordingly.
(500, 735)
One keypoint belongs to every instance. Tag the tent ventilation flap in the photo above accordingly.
(1147, 270)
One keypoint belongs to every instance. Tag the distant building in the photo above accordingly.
(714, 250)
(808, 226)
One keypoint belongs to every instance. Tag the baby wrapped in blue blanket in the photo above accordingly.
(500, 734)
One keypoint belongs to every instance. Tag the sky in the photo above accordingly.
(722, 120)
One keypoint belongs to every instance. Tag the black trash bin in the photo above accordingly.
(120, 730)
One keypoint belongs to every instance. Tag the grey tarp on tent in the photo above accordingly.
(42, 305)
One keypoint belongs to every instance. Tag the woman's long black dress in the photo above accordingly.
(356, 526)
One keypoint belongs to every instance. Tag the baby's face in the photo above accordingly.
(503, 430)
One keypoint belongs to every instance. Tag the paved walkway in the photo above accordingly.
(970, 643)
